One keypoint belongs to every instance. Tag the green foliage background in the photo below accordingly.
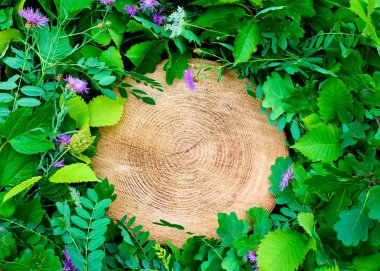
(315, 66)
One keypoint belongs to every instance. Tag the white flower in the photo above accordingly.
(75, 196)
(175, 22)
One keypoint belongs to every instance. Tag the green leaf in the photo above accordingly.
(276, 89)
(231, 228)
(69, 9)
(278, 169)
(374, 203)
(334, 100)
(306, 221)
(7, 36)
(15, 167)
(78, 111)
(321, 144)
(21, 187)
(6, 98)
(146, 55)
(7, 244)
(10, 83)
(28, 102)
(282, 250)
(175, 66)
(31, 142)
(246, 42)
(112, 58)
(231, 262)
(219, 15)
(329, 215)
(367, 263)
(32, 91)
(74, 173)
(261, 222)
(105, 112)
(30, 212)
(6, 208)
(354, 223)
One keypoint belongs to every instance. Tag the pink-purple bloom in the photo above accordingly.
(189, 79)
(68, 264)
(63, 140)
(286, 177)
(251, 256)
(33, 18)
(59, 164)
(158, 19)
(131, 10)
(107, 2)
(76, 84)
(148, 4)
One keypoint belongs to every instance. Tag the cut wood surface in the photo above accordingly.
(191, 156)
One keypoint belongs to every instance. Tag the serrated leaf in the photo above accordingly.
(31, 142)
(276, 89)
(74, 173)
(367, 263)
(246, 41)
(20, 187)
(175, 66)
(231, 262)
(334, 99)
(261, 222)
(282, 250)
(7, 244)
(104, 111)
(374, 203)
(321, 144)
(7, 36)
(112, 58)
(231, 228)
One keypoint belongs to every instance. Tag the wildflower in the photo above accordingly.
(75, 196)
(158, 19)
(286, 177)
(68, 264)
(33, 18)
(107, 2)
(131, 10)
(63, 140)
(251, 255)
(148, 4)
(189, 80)
(59, 164)
(80, 141)
(76, 84)
(176, 21)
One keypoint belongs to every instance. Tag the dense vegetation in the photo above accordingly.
(314, 64)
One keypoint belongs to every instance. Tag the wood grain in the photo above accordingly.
(191, 156)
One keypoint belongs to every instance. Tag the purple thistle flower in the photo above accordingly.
(76, 84)
(131, 10)
(63, 139)
(251, 255)
(158, 19)
(286, 177)
(189, 80)
(59, 164)
(148, 4)
(107, 2)
(33, 18)
(68, 264)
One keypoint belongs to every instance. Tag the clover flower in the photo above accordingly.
(189, 79)
(59, 164)
(286, 177)
(131, 10)
(76, 84)
(33, 18)
(75, 196)
(251, 255)
(63, 140)
(148, 5)
(175, 22)
(68, 264)
(107, 2)
(158, 19)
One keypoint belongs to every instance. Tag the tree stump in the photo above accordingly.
(191, 156)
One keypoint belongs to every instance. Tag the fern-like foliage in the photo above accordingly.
(84, 232)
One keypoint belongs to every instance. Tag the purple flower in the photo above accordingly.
(251, 255)
(59, 164)
(189, 80)
(158, 19)
(67, 262)
(63, 139)
(76, 84)
(148, 4)
(107, 2)
(286, 177)
(131, 10)
(33, 18)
